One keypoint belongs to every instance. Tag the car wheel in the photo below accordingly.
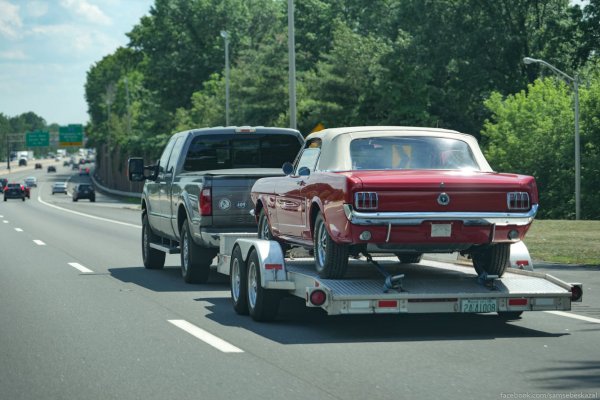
(263, 304)
(409, 258)
(195, 260)
(23, 198)
(5, 199)
(492, 260)
(264, 230)
(331, 259)
(152, 258)
(238, 282)
(93, 199)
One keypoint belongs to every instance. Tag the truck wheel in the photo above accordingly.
(264, 230)
(493, 259)
(239, 282)
(409, 258)
(331, 259)
(509, 315)
(263, 304)
(195, 260)
(153, 258)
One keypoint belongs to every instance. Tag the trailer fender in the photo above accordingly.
(273, 274)
(519, 257)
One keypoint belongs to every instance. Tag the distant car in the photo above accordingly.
(51, 168)
(22, 162)
(27, 190)
(74, 166)
(3, 182)
(14, 191)
(38, 165)
(66, 163)
(84, 170)
(31, 181)
(59, 187)
(84, 191)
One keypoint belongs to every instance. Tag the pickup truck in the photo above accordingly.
(200, 188)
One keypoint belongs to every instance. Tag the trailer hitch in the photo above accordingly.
(392, 282)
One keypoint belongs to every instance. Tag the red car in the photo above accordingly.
(400, 190)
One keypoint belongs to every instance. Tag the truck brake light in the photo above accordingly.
(205, 202)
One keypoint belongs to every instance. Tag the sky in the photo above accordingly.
(48, 46)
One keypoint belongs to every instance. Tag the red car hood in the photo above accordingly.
(418, 190)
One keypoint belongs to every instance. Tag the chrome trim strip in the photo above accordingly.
(416, 218)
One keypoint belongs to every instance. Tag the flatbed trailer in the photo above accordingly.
(260, 276)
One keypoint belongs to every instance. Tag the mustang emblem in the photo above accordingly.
(224, 204)
(443, 199)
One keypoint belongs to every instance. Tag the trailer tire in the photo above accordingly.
(509, 315)
(195, 260)
(331, 258)
(409, 258)
(263, 304)
(238, 275)
(152, 258)
(492, 260)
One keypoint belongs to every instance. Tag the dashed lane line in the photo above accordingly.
(206, 337)
(81, 268)
(39, 242)
(18, 229)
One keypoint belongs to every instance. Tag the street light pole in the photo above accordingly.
(292, 64)
(574, 80)
(225, 36)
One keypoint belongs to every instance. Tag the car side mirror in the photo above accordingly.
(288, 168)
(135, 168)
(304, 171)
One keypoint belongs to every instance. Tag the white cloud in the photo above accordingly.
(10, 20)
(13, 55)
(37, 9)
(87, 10)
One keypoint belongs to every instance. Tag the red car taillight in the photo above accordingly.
(517, 201)
(205, 202)
(366, 200)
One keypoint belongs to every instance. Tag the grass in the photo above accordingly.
(562, 241)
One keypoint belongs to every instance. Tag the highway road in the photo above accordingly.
(80, 318)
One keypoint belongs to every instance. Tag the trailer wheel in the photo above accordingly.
(153, 258)
(238, 275)
(263, 304)
(409, 258)
(509, 315)
(195, 260)
(331, 259)
(493, 260)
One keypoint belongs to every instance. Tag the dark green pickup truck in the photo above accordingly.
(200, 188)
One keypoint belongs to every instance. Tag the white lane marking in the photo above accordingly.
(575, 316)
(18, 229)
(1, 216)
(5, 221)
(39, 242)
(206, 337)
(81, 268)
(87, 215)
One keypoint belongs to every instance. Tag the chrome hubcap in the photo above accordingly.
(321, 244)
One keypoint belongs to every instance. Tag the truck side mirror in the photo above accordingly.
(288, 168)
(135, 169)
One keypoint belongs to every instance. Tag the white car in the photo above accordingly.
(59, 187)
(31, 181)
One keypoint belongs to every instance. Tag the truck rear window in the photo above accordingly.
(208, 152)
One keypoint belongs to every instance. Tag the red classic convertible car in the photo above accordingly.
(400, 190)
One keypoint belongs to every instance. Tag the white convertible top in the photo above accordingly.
(335, 143)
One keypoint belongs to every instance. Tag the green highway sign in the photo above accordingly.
(71, 135)
(37, 139)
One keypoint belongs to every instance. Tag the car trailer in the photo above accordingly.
(260, 276)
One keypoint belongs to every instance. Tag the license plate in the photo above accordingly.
(479, 306)
(441, 230)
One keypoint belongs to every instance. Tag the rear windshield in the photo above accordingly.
(84, 187)
(411, 153)
(14, 186)
(228, 151)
